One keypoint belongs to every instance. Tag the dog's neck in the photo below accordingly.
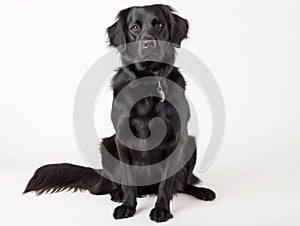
(158, 74)
(163, 71)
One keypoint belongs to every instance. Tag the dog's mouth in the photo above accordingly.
(151, 57)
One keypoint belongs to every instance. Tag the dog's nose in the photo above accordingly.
(149, 44)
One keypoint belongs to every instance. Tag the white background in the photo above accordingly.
(251, 47)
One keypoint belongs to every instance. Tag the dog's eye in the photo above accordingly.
(135, 28)
(159, 25)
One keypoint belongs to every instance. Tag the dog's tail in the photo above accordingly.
(59, 177)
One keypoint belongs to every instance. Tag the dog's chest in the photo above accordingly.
(145, 110)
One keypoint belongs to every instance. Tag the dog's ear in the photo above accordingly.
(116, 33)
(179, 29)
(178, 26)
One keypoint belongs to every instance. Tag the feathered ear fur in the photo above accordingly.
(116, 32)
(179, 29)
(178, 26)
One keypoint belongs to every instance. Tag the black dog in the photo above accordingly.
(148, 25)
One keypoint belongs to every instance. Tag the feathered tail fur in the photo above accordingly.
(59, 177)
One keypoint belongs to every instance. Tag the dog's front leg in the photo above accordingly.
(161, 212)
(128, 207)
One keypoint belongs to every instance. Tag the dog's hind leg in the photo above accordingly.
(105, 186)
(189, 188)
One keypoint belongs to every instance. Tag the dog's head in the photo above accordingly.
(147, 28)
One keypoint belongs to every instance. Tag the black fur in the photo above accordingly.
(58, 177)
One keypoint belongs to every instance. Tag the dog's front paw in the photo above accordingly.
(123, 212)
(160, 214)
(205, 194)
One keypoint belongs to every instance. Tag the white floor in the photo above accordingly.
(258, 194)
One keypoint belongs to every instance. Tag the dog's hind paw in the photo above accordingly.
(117, 196)
(205, 194)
